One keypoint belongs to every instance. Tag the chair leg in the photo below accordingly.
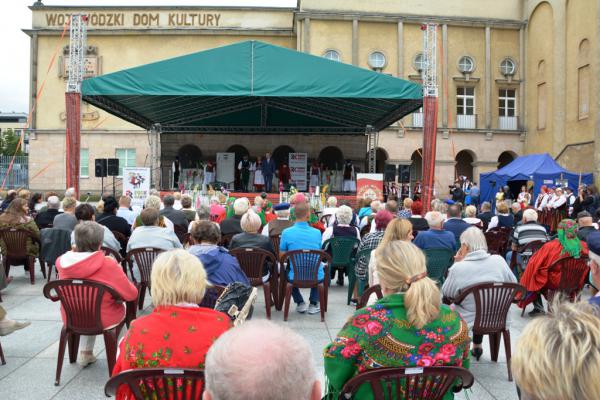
(523, 311)
(43, 267)
(267, 292)
(2, 355)
(288, 296)
(31, 264)
(282, 289)
(49, 272)
(351, 284)
(110, 343)
(322, 299)
(73, 344)
(61, 354)
(507, 350)
(494, 345)
(142, 296)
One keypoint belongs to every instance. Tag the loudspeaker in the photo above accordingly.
(389, 173)
(100, 167)
(112, 167)
(404, 172)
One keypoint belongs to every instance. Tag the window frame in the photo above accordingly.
(541, 108)
(127, 157)
(416, 63)
(503, 102)
(471, 60)
(371, 54)
(81, 164)
(332, 51)
(463, 98)
(583, 114)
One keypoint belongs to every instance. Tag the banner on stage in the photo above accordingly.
(136, 185)
(226, 167)
(369, 186)
(298, 164)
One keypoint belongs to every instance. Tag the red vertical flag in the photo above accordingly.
(430, 106)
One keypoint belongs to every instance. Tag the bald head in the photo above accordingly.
(261, 360)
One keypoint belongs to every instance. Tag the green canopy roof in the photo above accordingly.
(253, 87)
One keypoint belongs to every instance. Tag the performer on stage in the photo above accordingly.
(349, 177)
(268, 169)
(524, 197)
(284, 175)
(541, 198)
(209, 175)
(244, 168)
(417, 190)
(259, 180)
(315, 175)
(175, 168)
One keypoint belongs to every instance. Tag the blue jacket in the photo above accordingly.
(435, 239)
(456, 226)
(221, 267)
(268, 167)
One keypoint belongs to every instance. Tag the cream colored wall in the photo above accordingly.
(505, 43)
(540, 42)
(331, 35)
(505, 9)
(378, 36)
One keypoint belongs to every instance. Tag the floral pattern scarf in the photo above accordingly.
(567, 236)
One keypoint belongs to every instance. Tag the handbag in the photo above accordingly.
(237, 301)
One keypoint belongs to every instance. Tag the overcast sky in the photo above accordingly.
(14, 16)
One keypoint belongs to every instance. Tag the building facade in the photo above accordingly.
(502, 66)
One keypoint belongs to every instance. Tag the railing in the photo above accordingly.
(417, 120)
(508, 123)
(466, 121)
(19, 174)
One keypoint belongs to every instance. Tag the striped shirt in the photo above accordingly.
(528, 232)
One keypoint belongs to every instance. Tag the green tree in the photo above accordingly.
(8, 143)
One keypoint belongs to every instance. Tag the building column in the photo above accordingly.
(488, 78)
(400, 49)
(33, 77)
(355, 42)
(521, 96)
(444, 90)
(298, 35)
(306, 26)
(596, 88)
(559, 76)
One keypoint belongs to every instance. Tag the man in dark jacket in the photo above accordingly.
(458, 195)
(109, 217)
(486, 213)
(454, 223)
(268, 169)
(46, 218)
(233, 223)
(175, 216)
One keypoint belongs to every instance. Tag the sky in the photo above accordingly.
(15, 15)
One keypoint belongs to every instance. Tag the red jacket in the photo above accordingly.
(97, 267)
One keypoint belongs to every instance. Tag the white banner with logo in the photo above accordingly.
(226, 167)
(298, 165)
(136, 185)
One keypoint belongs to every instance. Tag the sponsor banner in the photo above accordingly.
(298, 168)
(136, 184)
(369, 186)
(226, 168)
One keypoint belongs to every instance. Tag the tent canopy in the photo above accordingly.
(253, 87)
(539, 168)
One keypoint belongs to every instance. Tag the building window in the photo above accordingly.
(332, 55)
(465, 100)
(419, 63)
(583, 77)
(507, 102)
(541, 106)
(377, 60)
(84, 163)
(466, 65)
(126, 159)
(507, 67)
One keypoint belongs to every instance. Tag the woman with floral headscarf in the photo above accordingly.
(538, 276)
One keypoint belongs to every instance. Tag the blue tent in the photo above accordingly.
(539, 168)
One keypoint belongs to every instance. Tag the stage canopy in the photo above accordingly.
(253, 87)
(539, 168)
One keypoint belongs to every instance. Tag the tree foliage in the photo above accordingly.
(8, 143)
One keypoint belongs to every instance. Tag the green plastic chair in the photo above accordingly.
(366, 256)
(343, 251)
(438, 262)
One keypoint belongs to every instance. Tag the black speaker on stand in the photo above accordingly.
(100, 171)
(112, 169)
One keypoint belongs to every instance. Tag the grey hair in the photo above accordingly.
(214, 200)
(241, 205)
(53, 202)
(530, 215)
(283, 213)
(376, 205)
(250, 222)
(332, 201)
(256, 355)
(203, 212)
(70, 192)
(152, 202)
(515, 206)
(343, 215)
(89, 236)
(434, 219)
(474, 239)
(486, 205)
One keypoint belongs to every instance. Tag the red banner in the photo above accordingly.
(73, 139)
(369, 186)
(429, 149)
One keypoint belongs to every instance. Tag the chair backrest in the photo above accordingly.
(159, 383)
(81, 300)
(180, 232)
(429, 383)
(15, 240)
(252, 260)
(144, 258)
(364, 298)
(325, 219)
(305, 264)
(226, 239)
(187, 239)
(111, 253)
(211, 295)
(54, 243)
(276, 241)
(364, 256)
(214, 217)
(573, 272)
(497, 241)
(438, 262)
(492, 303)
(342, 250)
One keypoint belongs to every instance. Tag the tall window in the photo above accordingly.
(84, 163)
(583, 76)
(541, 106)
(126, 159)
(465, 101)
(507, 102)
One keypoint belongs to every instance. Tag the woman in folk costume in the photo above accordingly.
(259, 179)
(540, 197)
(349, 177)
(524, 197)
(557, 209)
(209, 174)
(538, 277)
(315, 175)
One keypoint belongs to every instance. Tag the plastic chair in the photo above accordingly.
(573, 273)
(143, 258)
(174, 383)
(497, 240)
(429, 383)
(115, 254)
(15, 241)
(54, 242)
(364, 298)
(81, 301)
(365, 256)
(2, 359)
(342, 251)
(526, 251)
(252, 260)
(180, 232)
(122, 239)
(306, 264)
(226, 239)
(211, 296)
(276, 241)
(492, 303)
(438, 262)
(325, 219)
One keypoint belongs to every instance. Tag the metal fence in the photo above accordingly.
(19, 174)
